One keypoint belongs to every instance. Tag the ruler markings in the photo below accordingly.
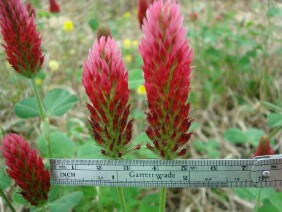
(168, 173)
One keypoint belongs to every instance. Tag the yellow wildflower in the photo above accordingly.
(127, 15)
(128, 58)
(141, 90)
(68, 26)
(135, 43)
(72, 51)
(127, 44)
(38, 82)
(53, 65)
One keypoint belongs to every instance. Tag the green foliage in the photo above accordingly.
(274, 120)
(66, 203)
(88, 151)
(61, 145)
(274, 11)
(109, 198)
(5, 180)
(58, 101)
(268, 207)
(252, 193)
(275, 200)
(149, 203)
(94, 24)
(26, 108)
(237, 136)
(18, 199)
(135, 78)
(209, 148)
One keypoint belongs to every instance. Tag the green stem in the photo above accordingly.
(44, 209)
(121, 199)
(257, 206)
(45, 127)
(38, 100)
(7, 200)
(162, 199)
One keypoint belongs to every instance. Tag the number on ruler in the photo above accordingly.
(99, 167)
(261, 178)
(183, 168)
(126, 168)
(214, 168)
(185, 177)
(155, 168)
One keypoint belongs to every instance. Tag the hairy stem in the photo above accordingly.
(121, 199)
(162, 199)
(45, 126)
(257, 206)
(7, 200)
(38, 100)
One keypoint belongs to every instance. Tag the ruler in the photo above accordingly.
(263, 171)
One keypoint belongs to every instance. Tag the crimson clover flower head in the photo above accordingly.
(26, 167)
(22, 41)
(264, 147)
(167, 57)
(105, 80)
(54, 7)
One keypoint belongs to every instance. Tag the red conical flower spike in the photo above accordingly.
(26, 167)
(22, 41)
(54, 7)
(106, 83)
(264, 147)
(167, 57)
(142, 8)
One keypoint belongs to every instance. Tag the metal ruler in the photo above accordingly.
(265, 171)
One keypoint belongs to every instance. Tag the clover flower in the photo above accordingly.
(105, 80)
(22, 41)
(167, 57)
(264, 147)
(26, 167)
(54, 7)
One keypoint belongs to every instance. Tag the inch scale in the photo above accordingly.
(262, 171)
